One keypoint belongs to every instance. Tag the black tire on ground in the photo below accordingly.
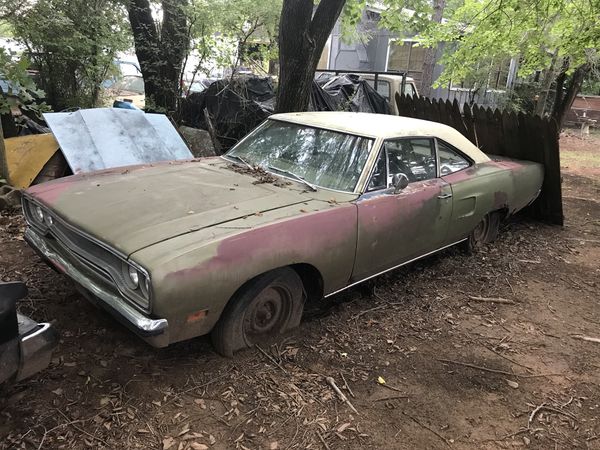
(485, 232)
(269, 305)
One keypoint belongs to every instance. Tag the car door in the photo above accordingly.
(466, 191)
(395, 227)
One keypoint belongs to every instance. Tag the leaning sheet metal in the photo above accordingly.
(26, 157)
(102, 138)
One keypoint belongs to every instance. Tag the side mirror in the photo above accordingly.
(399, 181)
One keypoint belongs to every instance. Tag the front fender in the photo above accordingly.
(195, 275)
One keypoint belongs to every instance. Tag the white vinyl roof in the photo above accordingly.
(383, 126)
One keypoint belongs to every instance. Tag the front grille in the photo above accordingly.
(90, 255)
(109, 265)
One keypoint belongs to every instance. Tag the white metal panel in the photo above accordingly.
(102, 138)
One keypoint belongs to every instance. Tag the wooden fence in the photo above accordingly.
(502, 133)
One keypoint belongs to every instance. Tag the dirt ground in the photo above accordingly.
(425, 362)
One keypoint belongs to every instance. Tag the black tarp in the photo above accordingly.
(238, 105)
(346, 93)
(235, 107)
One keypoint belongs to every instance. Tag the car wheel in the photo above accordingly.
(485, 232)
(269, 305)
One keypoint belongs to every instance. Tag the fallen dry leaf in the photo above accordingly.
(168, 442)
(513, 384)
(198, 446)
(342, 427)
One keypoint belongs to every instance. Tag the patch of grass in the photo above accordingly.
(580, 158)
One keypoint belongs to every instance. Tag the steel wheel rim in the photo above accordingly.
(481, 231)
(267, 313)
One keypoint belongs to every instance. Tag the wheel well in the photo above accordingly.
(311, 279)
(503, 212)
(309, 275)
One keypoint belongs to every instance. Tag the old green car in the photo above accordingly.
(306, 205)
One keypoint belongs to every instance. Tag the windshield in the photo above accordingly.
(131, 83)
(383, 88)
(323, 158)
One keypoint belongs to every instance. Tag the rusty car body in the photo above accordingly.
(306, 205)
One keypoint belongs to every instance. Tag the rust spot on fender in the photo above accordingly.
(500, 199)
(50, 192)
(196, 316)
(300, 238)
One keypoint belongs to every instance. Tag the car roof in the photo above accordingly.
(383, 126)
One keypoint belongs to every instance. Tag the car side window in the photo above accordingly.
(450, 160)
(379, 177)
(415, 158)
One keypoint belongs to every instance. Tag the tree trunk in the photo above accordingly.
(429, 58)
(160, 54)
(302, 37)
(564, 100)
(546, 85)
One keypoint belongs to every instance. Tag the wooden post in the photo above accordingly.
(3, 162)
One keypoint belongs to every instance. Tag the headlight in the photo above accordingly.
(39, 213)
(145, 286)
(131, 276)
(134, 277)
(136, 280)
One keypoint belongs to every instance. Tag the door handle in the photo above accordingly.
(443, 196)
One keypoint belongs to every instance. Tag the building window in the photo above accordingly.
(491, 75)
(405, 56)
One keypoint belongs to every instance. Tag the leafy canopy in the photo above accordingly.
(73, 44)
(222, 31)
(479, 32)
(18, 88)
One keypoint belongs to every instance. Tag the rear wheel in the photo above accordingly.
(269, 305)
(485, 232)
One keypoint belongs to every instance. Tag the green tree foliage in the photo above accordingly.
(230, 33)
(18, 90)
(72, 43)
(557, 37)
(531, 30)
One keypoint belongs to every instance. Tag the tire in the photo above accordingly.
(485, 232)
(268, 306)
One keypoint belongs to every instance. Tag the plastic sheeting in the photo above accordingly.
(237, 106)
(346, 93)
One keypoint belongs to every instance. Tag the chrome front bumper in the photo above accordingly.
(153, 331)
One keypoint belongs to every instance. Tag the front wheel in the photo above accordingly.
(269, 305)
(485, 232)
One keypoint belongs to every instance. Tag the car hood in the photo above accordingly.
(130, 208)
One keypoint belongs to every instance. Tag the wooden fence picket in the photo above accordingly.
(502, 133)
